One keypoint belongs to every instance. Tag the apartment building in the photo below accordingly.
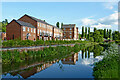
(70, 32)
(17, 29)
(28, 27)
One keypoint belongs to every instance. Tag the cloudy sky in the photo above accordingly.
(90, 14)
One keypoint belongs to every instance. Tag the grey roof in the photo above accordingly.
(68, 25)
(24, 24)
(39, 20)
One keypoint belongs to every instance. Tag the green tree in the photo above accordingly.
(61, 25)
(83, 33)
(101, 31)
(88, 32)
(57, 24)
(110, 33)
(105, 34)
(115, 35)
(95, 29)
(98, 37)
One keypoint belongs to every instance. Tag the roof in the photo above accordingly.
(68, 25)
(39, 20)
(24, 23)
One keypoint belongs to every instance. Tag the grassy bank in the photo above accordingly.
(108, 67)
(9, 57)
(26, 43)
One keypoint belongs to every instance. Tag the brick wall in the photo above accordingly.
(13, 30)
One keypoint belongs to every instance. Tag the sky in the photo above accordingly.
(89, 14)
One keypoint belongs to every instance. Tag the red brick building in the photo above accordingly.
(42, 30)
(70, 32)
(28, 27)
(20, 30)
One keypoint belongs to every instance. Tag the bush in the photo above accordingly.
(91, 39)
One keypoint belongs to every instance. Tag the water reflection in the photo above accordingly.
(71, 59)
(77, 65)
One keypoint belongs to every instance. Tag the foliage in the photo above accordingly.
(9, 57)
(97, 36)
(83, 33)
(21, 43)
(91, 39)
(108, 67)
(116, 35)
(88, 32)
(57, 24)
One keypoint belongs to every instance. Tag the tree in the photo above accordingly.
(95, 29)
(61, 25)
(57, 24)
(110, 35)
(101, 31)
(115, 35)
(83, 34)
(105, 34)
(88, 32)
(97, 36)
(6, 21)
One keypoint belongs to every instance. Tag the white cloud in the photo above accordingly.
(109, 5)
(110, 21)
(88, 22)
(101, 26)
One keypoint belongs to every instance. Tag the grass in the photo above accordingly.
(26, 43)
(9, 57)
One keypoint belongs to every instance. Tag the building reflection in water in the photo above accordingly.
(71, 60)
(32, 70)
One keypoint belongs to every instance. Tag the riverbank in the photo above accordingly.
(30, 43)
(108, 67)
(9, 57)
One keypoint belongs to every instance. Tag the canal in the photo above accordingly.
(77, 65)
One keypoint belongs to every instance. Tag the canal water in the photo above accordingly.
(77, 65)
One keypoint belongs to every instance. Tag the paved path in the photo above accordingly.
(35, 47)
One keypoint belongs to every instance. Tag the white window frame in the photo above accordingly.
(38, 24)
(38, 31)
(28, 29)
(23, 28)
(34, 31)
(31, 29)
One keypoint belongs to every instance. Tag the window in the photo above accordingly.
(64, 28)
(38, 24)
(28, 29)
(70, 28)
(31, 29)
(23, 28)
(34, 30)
(70, 36)
(70, 33)
(38, 31)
